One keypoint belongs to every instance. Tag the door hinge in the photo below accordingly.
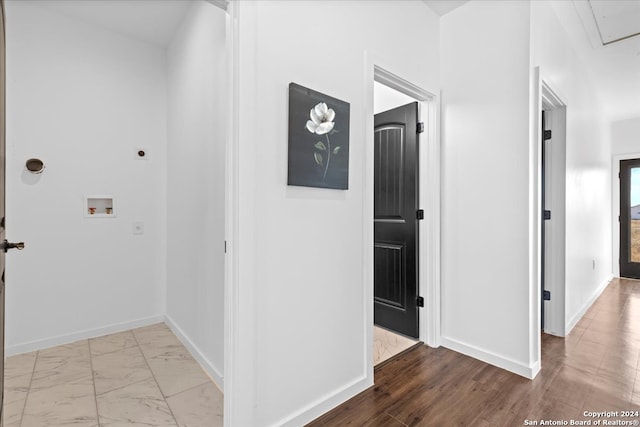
(547, 215)
(420, 127)
(225, 246)
(420, 214)
(420, 301)
(546, 295)
(547, 135)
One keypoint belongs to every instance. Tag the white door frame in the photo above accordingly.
(555, 277)
(544, 96)
(231, 270)
(429, 195)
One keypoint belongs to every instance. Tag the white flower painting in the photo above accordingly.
(321, 123)
(318, 144)
(321, 119)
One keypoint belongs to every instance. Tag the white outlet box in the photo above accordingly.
(138, 227)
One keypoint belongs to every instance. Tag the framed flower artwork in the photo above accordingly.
(318, 139)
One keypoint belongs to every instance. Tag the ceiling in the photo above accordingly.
(154, 21)
(606, 34)
(613, 59)
(442, 7)
(604, 31)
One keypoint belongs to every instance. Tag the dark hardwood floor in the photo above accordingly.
(595, 368)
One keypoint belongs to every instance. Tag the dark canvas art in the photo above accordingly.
(318, 139)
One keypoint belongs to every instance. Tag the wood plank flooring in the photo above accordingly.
(595, 368)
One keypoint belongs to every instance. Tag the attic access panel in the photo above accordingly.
(616, 19)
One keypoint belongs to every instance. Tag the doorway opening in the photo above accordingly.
(552, 215)
(629, 218)
(405, 193)
(396, 237)
(624, 214)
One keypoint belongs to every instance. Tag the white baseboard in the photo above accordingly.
(27, 347)
(575, 319)
(326, 403)
(510, 365)
(12, 350)
(206, 364)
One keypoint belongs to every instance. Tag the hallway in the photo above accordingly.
(594, 369)
(139, 377)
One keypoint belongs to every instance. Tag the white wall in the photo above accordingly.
(82, 99)
(588, 160)
(485, 183)
(625, 137)
(304, 299)
(489, 165)
(195, 184)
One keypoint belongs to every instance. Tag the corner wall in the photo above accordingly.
(304, 321)
(82, 99)
(625, 137)
(485, 183)
(195, 184)
(588, 160)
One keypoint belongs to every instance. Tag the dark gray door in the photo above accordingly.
(630, 218)
(395, 219)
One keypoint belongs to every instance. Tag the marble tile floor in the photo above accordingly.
(141, 377)
(387, 344)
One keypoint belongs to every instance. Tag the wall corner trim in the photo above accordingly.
(326, 403)
(81, 335)
(575, 319)
(502, 362)
(205, 363)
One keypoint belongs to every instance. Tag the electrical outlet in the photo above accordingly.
(138, 227)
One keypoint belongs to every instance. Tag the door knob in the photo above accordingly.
(7, 245)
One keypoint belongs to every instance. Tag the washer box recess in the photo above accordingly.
(99, 207)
